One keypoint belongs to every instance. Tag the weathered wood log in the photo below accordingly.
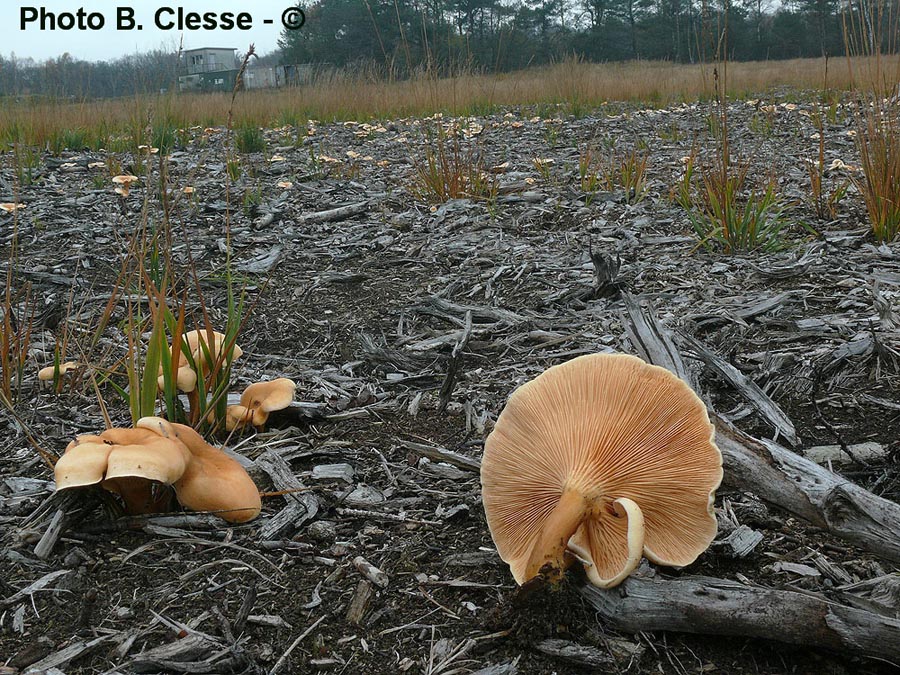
(774, 473)
(335, 214)
(710, 606)
(810, 491)
(770, 411)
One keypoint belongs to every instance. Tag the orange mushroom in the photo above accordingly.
(212, 481)
(124, 184)
(606, 457)
(133, 462)
(262, 398)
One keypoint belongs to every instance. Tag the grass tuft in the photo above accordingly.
(448, 170)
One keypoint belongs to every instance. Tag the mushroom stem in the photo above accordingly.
(193, 397)
(139, 496)
(550, 547)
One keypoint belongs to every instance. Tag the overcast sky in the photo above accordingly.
(109, 43)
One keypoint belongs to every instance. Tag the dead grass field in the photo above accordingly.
(577, 85)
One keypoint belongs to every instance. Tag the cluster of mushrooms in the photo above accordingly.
(139, 464)
(134, 462)
(601, 460)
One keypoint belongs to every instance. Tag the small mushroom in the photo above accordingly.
(203, 357)
(11, 207)
(606, 457)
(124, 184)
(237, 416)
(48, 373)
(262, 398)
(206, 356)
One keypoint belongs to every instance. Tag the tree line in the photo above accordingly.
(504, 35)
(401, 37)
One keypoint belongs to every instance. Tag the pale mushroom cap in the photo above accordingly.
(154, 458)
(83, 463)
(269, 396)
(582, 443)
(213, 481)
(45, 374)
(137, 453)
(124, 179)
(9, 207)
(199, 345)
(185, 379)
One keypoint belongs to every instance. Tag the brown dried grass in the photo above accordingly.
(362, 96)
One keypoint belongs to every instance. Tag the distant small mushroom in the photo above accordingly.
(48, 373)
(11, 207)
(188, 190)
(262, 398)
(124, 184)
(606, 457)
(148, 149)
(285, 184)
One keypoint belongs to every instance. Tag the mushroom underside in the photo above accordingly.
(609, 536)
(606, 535)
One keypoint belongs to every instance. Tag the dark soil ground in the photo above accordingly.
(363, 313)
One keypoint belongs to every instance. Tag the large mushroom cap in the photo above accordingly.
(213, 481)
(83, 463)
(605, 456)
(261, 398)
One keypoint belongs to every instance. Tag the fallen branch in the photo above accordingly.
(334, 215)
(710, 606)
(810, 491)
(776, 474)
